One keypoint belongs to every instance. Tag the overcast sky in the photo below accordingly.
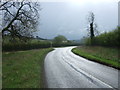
(70, 18)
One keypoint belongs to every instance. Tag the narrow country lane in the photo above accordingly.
(63, 69)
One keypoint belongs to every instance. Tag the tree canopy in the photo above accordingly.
(60, 39)
(20, 19)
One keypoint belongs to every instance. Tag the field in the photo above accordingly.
(23, 69)
(105, 55)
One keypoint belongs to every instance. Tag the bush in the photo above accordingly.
(33, 44)
(107, 39)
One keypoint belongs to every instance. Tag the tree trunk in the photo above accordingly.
(92, 33)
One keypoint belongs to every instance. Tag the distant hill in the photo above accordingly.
(76, 41)
(39, 38)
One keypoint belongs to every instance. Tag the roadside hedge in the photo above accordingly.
(111, 39)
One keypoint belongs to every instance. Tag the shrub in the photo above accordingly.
(107, 39)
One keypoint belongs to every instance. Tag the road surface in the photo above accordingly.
(63, 69)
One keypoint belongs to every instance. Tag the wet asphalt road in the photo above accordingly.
(63, 69)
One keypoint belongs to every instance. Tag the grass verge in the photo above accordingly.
(103, 55)
(23, 69)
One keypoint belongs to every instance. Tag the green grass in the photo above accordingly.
(104, 55)
(23, 69)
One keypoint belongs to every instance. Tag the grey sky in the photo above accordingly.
(119, 14)
(70, 18)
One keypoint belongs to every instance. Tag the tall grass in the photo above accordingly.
(104, 55)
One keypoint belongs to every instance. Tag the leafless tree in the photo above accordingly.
(19, 18)
(92, 29)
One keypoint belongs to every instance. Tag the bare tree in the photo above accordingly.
(92, 27)
(19, 18)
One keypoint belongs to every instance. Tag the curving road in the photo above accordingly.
(63, 69)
